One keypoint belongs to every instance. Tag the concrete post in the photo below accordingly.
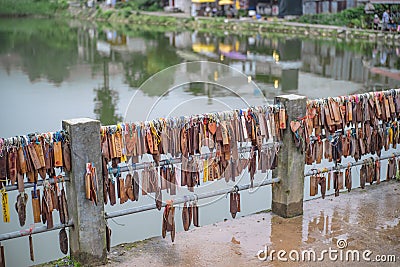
(87, 239)
(287, 195)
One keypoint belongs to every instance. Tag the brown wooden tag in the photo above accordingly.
(224, 132)
(149, 141)
(391, 104)
(378, 108)
(21, 160)
(88, 183)
(349, 111)
(12, 166)
(20, 182)
(313, 185)
(130, 143)
(58, 159)
(2, 257)
(329, 181)
(282, 118)
(122, 194)
(118, 144)
(40, 155)
(36, 206)
(104, 146)
(328, 116)
(340, 180)
(112, 147)
(32, 255)
(387, 108)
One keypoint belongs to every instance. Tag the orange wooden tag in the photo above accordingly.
(282, 118)
(58, 159)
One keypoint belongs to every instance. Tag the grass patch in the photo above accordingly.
(32, 7)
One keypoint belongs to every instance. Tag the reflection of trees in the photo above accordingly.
(106, 100)
(46, 49)
(141, 66)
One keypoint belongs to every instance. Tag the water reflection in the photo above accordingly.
(106, 100)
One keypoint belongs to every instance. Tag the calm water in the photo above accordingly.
(52, 70)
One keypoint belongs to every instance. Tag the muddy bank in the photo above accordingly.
(364, 219)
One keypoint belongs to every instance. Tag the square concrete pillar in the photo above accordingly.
(287, 195)
(87, 239)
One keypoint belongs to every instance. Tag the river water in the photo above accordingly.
(55, 70)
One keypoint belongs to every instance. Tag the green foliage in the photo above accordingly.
(32, 7)
(351, 17)
(147, 5)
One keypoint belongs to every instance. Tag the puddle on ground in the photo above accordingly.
(359, 220)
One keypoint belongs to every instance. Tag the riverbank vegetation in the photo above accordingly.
(21, 8)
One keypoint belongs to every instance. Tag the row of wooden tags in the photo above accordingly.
(191, 173)
(370, 172)
(186, 136)
(33, 155)
(326, 116)
(353, 143)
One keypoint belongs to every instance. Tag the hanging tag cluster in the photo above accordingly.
(222, 134)
(345, 126)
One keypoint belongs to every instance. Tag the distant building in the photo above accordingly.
(280, 8)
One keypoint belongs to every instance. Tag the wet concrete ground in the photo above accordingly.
(363, 220)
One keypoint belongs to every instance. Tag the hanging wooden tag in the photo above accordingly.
(122, 193)
(387, 107)
(329, 181)
(391, 104)
(20, 182)
(40, 155)
(340, 180)
(2, 257)
(238, 201)
(58, 160)
(205, 170)
(5, 206)
(378, 107)
(22, 161)
(336, 111)
(12, 166)
(328, 119)
(112, 194)
(88, 182)
(149, 141)
(112, 147)
(36, 205)
(263, 124)
(63, 241)
(3, 165)
(313, 185)
(349, 112)
(104, 146)
(66, 151)
(224, 132)
(245, 135)
(282, 118)
(212, 127)
(32, 256)
(130, 141)
(118, 144)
